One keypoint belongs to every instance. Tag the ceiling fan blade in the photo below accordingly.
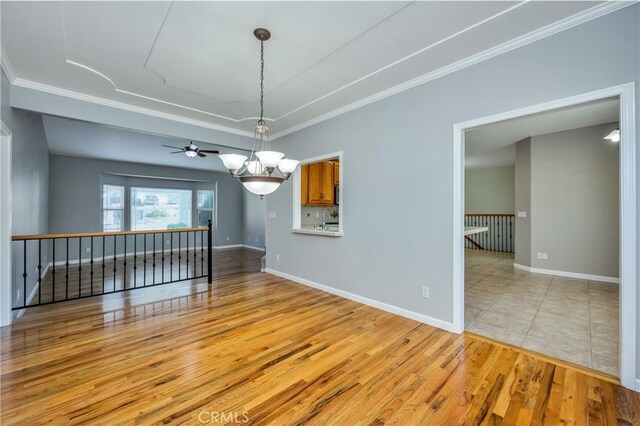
(210, 151)
(176, 152)
(201, 154)
(174, 147)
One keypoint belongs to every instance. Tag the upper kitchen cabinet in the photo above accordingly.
(318, 182)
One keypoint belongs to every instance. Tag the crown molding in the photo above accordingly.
(559, 26)
(544, 32)
(7, 67)
(126, 107)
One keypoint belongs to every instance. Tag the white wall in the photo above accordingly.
(398, 224)
(575, 201)
(490, 190)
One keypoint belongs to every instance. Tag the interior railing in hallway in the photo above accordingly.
(500, 235)
(61, 267)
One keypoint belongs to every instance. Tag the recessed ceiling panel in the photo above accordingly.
(209, 47)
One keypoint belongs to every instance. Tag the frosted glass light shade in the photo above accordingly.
(614, 136)
(232, 161)
(254, 167)
(191, 154)
(288, 165)
(269, 158)
(261, 185)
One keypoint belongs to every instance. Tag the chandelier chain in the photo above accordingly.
(261, 81)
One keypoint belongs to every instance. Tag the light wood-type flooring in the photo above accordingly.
(257, 349)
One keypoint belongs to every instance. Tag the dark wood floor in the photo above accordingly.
(260, 348)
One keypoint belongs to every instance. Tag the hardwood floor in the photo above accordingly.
(257, 348)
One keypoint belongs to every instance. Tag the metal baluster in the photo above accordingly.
(91, 264)
(104, 251)
(162, 236)
(24, 273)
(187, 245)
(202, 253)
(79, 266)
(153, 265)
(124, 268)
(115, 260)
(179, 256)
(144, 262)
(171, 258)
(195, 254)
(135, 260)
(39, 271)
(66, 273)
(53, 271)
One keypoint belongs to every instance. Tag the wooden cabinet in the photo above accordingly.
(317, 184)
(336, 174)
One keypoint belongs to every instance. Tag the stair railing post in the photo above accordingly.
(210, 252)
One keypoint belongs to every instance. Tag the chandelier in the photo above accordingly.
(265, 170)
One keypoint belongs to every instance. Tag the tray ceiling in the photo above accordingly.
(199, 60)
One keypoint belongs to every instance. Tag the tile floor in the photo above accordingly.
(573, 320)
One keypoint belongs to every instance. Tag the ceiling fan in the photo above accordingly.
(191, 150)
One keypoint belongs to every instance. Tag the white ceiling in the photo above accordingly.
(82, 139)
(199, 60)
(493, 145)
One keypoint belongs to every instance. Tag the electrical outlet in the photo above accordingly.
(522, 214)
(425, 291)
(272, 215)
(542, 256)
(278, 257)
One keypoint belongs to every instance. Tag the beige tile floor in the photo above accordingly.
(573, 320)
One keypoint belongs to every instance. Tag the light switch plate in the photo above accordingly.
(522, 214)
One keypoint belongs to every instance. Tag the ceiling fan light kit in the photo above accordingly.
(264, 170)
(191, 150)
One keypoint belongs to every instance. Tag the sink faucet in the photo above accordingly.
(324, 218)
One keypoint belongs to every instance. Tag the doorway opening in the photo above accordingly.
(530, 278)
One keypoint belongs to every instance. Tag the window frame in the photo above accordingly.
(132, 209)
(212, 209)
(123, 204)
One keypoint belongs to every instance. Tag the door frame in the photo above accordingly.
(628, 217)
(6, 293)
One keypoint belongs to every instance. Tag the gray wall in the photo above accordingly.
(575, 201)
(398, 224)
(30, 183)
(490, 190)
(523, 202)
(76, 190)
(254, 219)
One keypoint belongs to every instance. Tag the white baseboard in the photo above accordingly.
(366, 301)
(18, 314)
(231, 246)
(254, 247)
(576, 275)
(637, 389)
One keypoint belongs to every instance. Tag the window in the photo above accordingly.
(155, 208)
(205, 207)
(112, 208)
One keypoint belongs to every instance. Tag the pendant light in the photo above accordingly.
(265, 170)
